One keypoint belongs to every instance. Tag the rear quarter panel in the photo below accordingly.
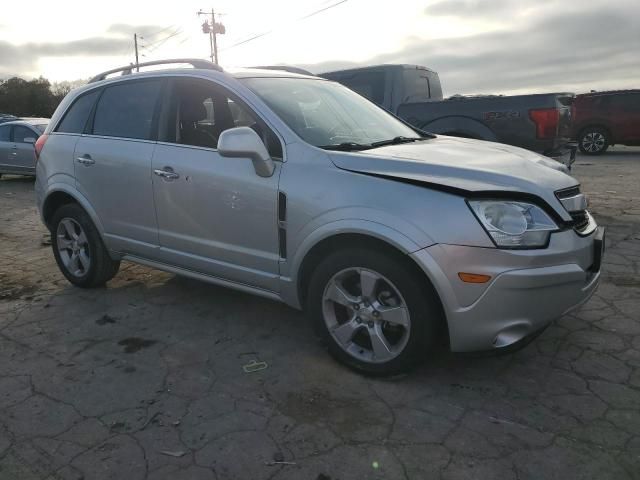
(55, 166)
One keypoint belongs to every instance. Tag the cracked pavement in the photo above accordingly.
(144, 379)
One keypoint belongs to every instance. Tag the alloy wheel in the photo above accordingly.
(366, 315)
(73, 247)
(593, 142)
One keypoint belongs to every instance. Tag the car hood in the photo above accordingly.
(464, 165)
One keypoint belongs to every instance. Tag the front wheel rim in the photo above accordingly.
(366, 315)
(593, 142)
(73, 247)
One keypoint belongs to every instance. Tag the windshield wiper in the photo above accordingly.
(347, 147)
(396, 141)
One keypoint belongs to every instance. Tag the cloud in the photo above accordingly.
(17, 59)
(486, 8)
(588, 48)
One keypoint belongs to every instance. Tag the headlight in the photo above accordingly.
(514, 224)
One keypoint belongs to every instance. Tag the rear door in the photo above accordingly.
(113, 164)
(24, 155)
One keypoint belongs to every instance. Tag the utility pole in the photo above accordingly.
(135, 42)
(213, 35)
(213, 28)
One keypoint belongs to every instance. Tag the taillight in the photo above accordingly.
(547, 121)
(39, 144)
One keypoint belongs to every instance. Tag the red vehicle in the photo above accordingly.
(602, 119)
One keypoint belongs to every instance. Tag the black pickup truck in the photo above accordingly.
(540, 122)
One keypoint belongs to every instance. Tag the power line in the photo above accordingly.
(262, 34)
(248, 39)
(155, 45)
(322, 10)
(146, 36)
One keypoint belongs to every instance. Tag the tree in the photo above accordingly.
(32, 98)
(60, 90)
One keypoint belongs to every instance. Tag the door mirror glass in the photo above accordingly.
(243, 142)
(29, 140)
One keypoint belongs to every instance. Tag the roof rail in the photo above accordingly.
(286, 68)
(127, 70)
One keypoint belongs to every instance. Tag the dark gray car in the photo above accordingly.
(17, 139)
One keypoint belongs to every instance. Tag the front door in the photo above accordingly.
(215, 215)
(24, 155)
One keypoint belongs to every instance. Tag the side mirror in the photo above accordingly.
(245, 143)
(31, 140)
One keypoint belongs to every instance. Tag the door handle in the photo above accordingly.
(85, 159)
(167, 173)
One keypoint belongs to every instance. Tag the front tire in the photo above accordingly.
(373, 312)
(78, 249)
(593, 141)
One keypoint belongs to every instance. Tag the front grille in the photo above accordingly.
(575, 203)
(568, 192)
(580, 220)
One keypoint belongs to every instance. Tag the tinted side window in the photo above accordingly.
(127, 110)
(629, 102)
(5, 133)
(369, 84)
(20, 133)
(200, 111)
(417, 86)
(77, 115)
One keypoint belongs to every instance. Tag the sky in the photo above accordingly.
(476, 46)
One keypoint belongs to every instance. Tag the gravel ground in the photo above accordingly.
(143, 379)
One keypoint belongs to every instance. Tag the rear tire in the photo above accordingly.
(373, 312)
(593, 141)
(78, 249)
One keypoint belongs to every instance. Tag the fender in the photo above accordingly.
(460, 124)
(371, 228)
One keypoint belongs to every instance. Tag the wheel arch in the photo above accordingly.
(61, 195)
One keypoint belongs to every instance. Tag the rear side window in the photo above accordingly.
(627, 102)
(5, 133)
(127, 110)
(77, 115)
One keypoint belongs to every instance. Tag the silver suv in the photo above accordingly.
(297, 189)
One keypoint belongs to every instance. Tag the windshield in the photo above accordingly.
(327, 114)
